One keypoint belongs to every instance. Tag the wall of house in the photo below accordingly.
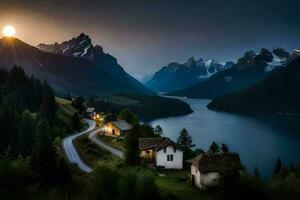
(209, 179)
(196, 174)
(110, 129)
(204, 180)
(161, 158)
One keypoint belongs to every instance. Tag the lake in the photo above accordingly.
(259, 140)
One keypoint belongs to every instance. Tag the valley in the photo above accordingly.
(149, 100)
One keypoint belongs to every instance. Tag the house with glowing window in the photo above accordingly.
(117, 128)
(162, 152)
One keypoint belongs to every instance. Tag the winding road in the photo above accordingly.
(70, 150)
(72, 154)
(93, 137)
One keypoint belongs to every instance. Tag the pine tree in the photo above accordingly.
(158, 130)
(278, 167)
(132, 156)
(224, 148)
(17, 84)
(186, 143)
(75, 121)
(48, 106)
(128, 117)
(44, 157)
(26, 134)
(8, 125)
(214, 148)
(146, 131)
(78, 104)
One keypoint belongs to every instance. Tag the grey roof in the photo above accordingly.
(90, 109)
(122, 125)
(156, 143)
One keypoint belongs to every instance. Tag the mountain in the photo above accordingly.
(68, 74)
(248, 70)
(177, 76)
(82, 47)
(278, 93)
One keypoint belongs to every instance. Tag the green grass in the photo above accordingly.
(112, 141)
(171, 183)
(92, 154)
(63, 117)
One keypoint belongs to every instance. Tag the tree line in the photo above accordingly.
(29, 157)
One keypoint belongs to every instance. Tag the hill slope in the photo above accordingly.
(82, 47)
(279, 93)
(247, 71)
(66, 74)
(177, 76)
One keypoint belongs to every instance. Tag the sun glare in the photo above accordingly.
(9, 31)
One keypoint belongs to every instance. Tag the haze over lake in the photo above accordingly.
(258, 140)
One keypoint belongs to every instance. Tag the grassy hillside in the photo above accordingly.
(63, 116)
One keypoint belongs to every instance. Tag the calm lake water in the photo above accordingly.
(258, 140)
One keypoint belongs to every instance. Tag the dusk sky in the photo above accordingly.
(146, 35)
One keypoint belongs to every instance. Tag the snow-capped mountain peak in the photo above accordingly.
(176, 76)
(82, 46)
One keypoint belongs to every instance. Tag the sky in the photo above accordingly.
(145, 35)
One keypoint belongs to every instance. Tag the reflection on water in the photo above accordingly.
(258, 140)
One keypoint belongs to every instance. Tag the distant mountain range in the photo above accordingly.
(177, 76)
(247, 71)
(277, 94)
(74, 66)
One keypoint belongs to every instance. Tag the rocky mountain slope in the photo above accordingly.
(247, 71)
(177, 76)
(68, 74)
(277, 94)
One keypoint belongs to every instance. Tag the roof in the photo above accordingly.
(156, 143)
(217, 162)
(122, 125)
(149, 143)
(90, 109)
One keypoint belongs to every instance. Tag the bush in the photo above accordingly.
(145, 187)
(104, 184)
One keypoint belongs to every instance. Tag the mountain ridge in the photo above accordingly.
(82, 47)
(279, 93)
(66, 74)
(177, 76)
(248, 70)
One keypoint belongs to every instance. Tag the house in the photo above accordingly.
(117, 128)
(162, 152)
(90, 112)
(207, 169)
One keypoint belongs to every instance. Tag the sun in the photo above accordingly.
(9, 31)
